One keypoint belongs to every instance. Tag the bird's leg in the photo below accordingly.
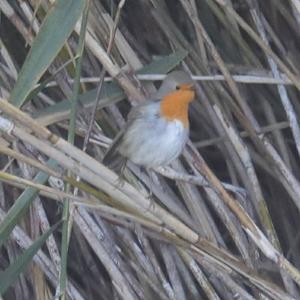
(151, 186)
(148, 184)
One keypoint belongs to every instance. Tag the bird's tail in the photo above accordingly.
(112, 158)
(115, 161)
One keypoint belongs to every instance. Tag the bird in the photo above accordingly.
(156, 131)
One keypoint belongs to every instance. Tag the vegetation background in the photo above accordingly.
(222, 222)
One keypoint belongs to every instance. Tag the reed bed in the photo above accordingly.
(221, 222)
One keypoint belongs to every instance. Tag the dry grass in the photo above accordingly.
(224, 219)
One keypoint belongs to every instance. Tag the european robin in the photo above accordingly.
(156, 131)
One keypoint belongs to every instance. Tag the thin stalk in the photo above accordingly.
(102, 74)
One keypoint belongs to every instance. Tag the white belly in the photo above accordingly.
(160, 143)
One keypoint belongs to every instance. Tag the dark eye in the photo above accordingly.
(177, 87)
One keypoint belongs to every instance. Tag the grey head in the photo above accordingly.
(172, 81)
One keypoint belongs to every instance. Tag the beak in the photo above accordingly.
(187, 87)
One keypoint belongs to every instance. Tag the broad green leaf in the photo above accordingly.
(54, 31)
(67, 218)
(165, 64)
(20, 206)
(10, 275)
(111, 92)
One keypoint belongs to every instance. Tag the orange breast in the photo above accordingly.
(175, 105)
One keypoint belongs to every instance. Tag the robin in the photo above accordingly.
(156, 132)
